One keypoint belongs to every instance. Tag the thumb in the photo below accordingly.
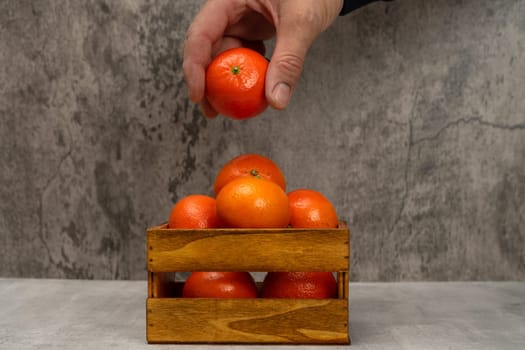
(286, 64)
(297, 24)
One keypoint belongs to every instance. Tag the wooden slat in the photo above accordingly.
(248, 250)
(340, 285)
(346, 284)
(298, 321)
(151, 283)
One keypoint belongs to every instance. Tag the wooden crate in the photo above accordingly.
(172, 319)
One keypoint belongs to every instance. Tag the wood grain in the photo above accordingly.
(298, 321)
(248, 250)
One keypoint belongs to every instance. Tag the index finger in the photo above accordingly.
(208, 29)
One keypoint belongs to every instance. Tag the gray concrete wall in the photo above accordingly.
(410, 117)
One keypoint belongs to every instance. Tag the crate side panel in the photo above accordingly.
(278, 321)
(202, 250)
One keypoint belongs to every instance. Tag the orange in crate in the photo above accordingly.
(173, 319)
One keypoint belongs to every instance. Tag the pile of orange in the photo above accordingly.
(250, 192)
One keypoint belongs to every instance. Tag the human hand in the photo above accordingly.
(224, 24)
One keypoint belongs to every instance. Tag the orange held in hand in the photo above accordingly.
(235, 82)
(249, 202)
(310, 209)
(219, 285)
(313, 285)
(194, 211)
(249, 165)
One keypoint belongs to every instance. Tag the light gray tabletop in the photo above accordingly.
(73, 314)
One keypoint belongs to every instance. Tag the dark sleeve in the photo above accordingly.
(351, 5)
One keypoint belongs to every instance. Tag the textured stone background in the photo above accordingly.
(410, 117)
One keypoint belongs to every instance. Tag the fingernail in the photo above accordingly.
(281, 95)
